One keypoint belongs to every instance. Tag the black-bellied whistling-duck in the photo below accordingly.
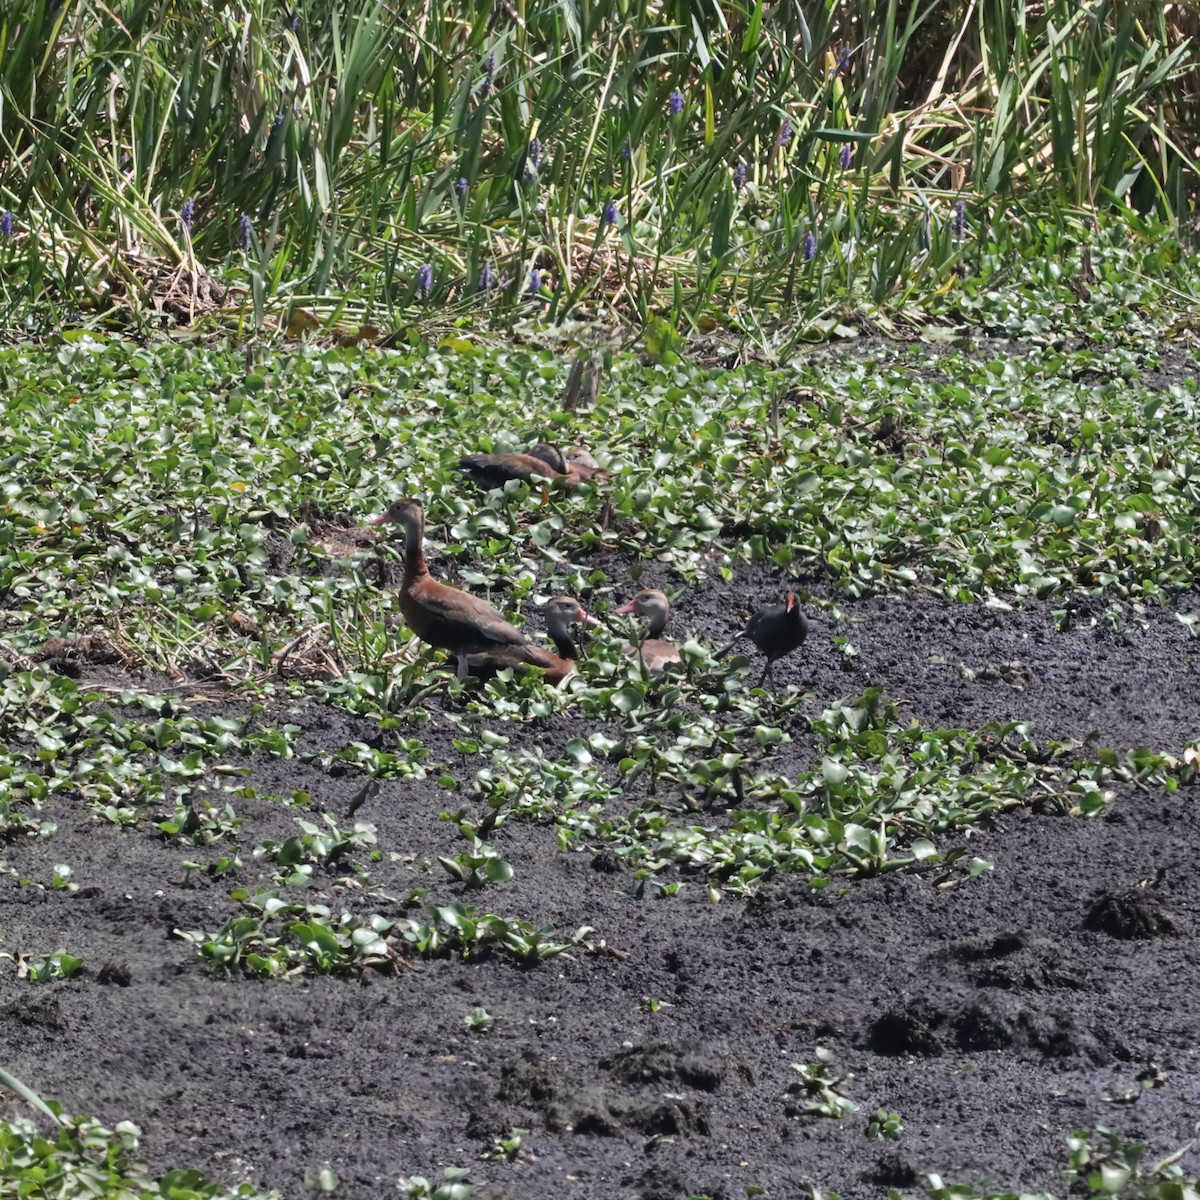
(562, 613)
(776, 630)
(580, 465)
(444, 616)
(654, 608)
(543, 462)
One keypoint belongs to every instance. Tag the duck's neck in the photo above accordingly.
(656, 622)
(414, 550)
(564, 643)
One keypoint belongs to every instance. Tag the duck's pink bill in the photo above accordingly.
(626, 608)
(379, 520)
(586, 618)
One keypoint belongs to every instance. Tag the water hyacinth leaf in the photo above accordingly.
(627, 700)
(368, 943)
(497, 870)
(833, 772)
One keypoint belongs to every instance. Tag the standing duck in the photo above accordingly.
(776, 630)
(445, 616)
(543, 462)
(654, 608)
(562, 614)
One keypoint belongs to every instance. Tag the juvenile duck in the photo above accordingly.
(654, 608)
(563, 613)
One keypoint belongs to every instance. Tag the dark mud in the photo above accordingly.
(1054, 993)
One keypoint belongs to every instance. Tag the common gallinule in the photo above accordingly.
(776, 630)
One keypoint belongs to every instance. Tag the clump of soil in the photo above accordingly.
(1129, 913)
(906, 1030)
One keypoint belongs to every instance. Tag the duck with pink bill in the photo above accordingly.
(654, 609)
(450, 618)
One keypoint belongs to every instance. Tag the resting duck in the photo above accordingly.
(445, 616)
(562, 614)
(776, 630)
(654, 608)
(543, 462)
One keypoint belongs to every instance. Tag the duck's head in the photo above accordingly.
(408, 514)
(652, 606)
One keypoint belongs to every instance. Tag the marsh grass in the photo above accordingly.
(815, 160)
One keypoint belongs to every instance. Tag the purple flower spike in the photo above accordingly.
(810, 247)
(295, 22)
(535, 281)
(846, 156)
(6, 225)
(785, 134)
(626, 150)
(275, 124)
(187, 214)
(424, 281)
(739, 176)
(960, 218)
(489, 73)
(843, 62)
(246, 237)
(675, 103)
(610, 213)
(535, 153)
(487, 278)
(462, 187)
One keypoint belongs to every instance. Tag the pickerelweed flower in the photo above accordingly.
(739, 176)
(278, 120)
(785, 134)
(675, 103)
(424, 281)
(960, 218)
(489, 73)
(535, 153)
(6, 225)
(810, 247)
(843, 62)
(626, 150)
(187, 214)
(246, 238)
(846, 156)
(487, 278)
(609, 217)
(462, 187)
(535, 281)
(295, 22)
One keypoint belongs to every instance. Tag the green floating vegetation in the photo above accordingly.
(159, 510)
(278, 937)
(692, 797)
(81, 1157)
